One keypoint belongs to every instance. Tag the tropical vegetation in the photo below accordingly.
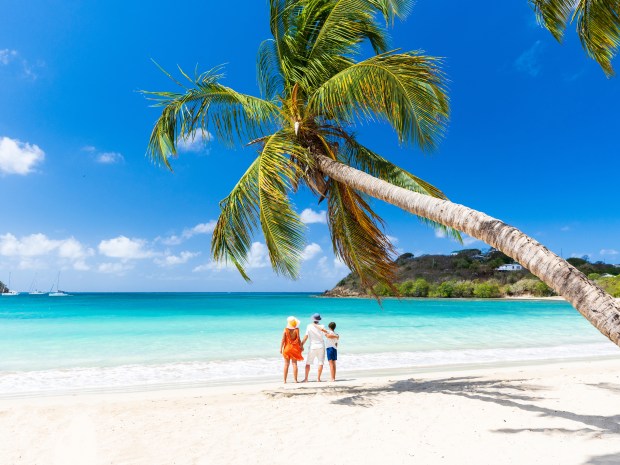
(315, 88)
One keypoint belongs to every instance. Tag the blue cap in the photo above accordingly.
(316, 317)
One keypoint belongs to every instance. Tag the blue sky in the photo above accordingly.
(532, 141)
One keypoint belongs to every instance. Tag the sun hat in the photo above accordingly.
(292, 323)
(316, 317)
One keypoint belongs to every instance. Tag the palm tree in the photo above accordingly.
(313, 92)
(598, 25)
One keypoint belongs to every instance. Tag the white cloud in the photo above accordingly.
(115, 268)
(109, 158)
(565, 228)
(27, 246)
(468, 240)
(440, 233)
(11, 58)
(104, 158)
(201, 228)
(124, 248)
(172, 260)
(258, 256)
(214, 266)
(6, 56)
(332, 269)
(18, 157)
(73, 250)
(392, 239)
(30, 249)
(309, 216)
(311, 251)
(609, 252)
(530, 61)
(195, 142)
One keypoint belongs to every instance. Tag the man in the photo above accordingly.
(314, 332)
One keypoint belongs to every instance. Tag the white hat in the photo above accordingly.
(293, 323)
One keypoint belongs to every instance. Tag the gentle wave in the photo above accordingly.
(128, 376)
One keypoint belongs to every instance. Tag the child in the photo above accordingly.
(331, 346)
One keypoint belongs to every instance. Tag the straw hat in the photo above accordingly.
(292, 323)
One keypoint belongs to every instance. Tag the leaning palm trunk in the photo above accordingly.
(597, 306)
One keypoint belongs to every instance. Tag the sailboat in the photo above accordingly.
(58, 292)
(10, 292)
(33, 288)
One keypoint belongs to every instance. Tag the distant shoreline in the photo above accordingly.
(523, 297)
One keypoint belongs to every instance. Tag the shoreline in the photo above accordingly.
(559, 412)
(355, 374)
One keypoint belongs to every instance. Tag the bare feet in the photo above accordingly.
(305, 380)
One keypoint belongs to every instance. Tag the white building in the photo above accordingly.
(509, 267)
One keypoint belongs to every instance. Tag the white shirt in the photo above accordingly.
(315, 336)
(331, 342)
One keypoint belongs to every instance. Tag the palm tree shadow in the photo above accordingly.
(610, 459)
(608, 386)
(513, 394)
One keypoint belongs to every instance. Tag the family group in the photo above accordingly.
(322, 342)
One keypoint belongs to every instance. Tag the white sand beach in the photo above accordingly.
(562, 413)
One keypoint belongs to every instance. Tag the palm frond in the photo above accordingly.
(269, 73)
(281, 225)
(357, 238)
(393, 8)
(207, 105)
(238, 220)
(330, 32)
(260, 198)
(357, 155)
(598, 25)
(407, 89)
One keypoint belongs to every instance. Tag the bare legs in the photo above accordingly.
(308, 372)
(295, 370)
(332, 369)
(287, 362)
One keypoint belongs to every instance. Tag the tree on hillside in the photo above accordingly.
(314, 91)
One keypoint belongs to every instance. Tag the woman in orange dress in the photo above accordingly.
(290, 347)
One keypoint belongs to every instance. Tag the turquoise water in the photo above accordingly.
(95, 340)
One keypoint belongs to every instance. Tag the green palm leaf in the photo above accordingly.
(261, 197)
(281, 225)
(207, 106)
(598, 25)
(407, 89)
(357, 238)
(232, 236)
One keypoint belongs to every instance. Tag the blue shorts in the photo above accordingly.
(332, 354)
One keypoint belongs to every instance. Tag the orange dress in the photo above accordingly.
(292, 345)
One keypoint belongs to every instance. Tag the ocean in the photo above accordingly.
(129, 340)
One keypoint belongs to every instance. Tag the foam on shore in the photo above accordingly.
(196, 373)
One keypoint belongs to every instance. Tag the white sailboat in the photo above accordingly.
(58, 292)
(33, 288)
(10, 292)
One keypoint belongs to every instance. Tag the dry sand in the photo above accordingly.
(565, 413)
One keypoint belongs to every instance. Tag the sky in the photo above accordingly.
(532, 141)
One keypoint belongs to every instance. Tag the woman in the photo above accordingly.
(290, 347)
